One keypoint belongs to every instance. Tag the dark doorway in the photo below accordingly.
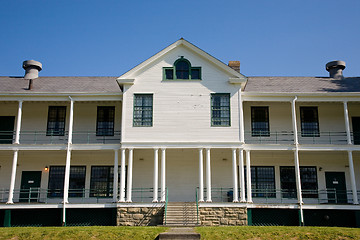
(336, 187)
(356, 129)
(6, 129)
(30, 185)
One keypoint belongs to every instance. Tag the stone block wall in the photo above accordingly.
(216, 216)
(139, 216)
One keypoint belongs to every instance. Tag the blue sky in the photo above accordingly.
(107, 38)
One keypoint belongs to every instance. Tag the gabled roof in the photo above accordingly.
(302, 84)
(60, 85)
(183, 42)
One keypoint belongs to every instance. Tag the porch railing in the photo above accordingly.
(44, 137)
(284, 196)
(41, 195)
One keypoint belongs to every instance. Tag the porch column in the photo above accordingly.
(241, 176)
(208, 176)
(18, 123)
(352, 177)
(68, 152)
(163, 176)
(294, 124)
(129, 176)
(116, 170)
(201, 176)
(297, 176)
(156, 175)
(347, 124)
(122, 176)
(12, 179)
(234, 175)
(248, 177)
(241, 117)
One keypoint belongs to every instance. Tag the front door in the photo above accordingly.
(6, 129)
(356, 129)
(336, 187)
(30, 185)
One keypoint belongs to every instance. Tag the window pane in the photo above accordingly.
(262, 181)
(182, 69)
(169, 74)
(309, 122)
(105, 121)
(56, 121)
(220, 108)
(260, 122)
(143, 110)
(195, 73)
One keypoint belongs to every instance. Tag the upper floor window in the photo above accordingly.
(309, 122)
(220, 109)
(182, 69)
(260, 122)
(56, 121)
(143, 110)
(105, 121)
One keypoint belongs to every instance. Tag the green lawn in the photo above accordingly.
(293, 233)
(207, 233)
(80, 233)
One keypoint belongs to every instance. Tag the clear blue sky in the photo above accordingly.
(107, 38)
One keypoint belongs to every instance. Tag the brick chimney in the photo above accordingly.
(235, 65)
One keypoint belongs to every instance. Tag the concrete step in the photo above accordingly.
(179, 233)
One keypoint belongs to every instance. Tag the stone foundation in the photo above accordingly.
(139, 216)
(216, 216)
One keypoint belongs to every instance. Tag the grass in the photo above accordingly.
(80, 233)
(207, 233)
(293, 233)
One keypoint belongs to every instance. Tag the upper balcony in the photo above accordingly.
(78, 137)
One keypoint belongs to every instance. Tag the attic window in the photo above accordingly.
(182, 70)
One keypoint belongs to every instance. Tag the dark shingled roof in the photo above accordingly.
(60, 85)
(302, 84)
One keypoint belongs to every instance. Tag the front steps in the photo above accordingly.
(181, 214)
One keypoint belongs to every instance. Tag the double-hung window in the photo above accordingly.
(102, 180)
(76, 181)
(56, 121)
(105, 121)
(260, 122)
(143, 110)
(308, 178)
(262, 181)
(309, 122)
(220, 109)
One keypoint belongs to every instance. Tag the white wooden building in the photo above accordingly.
(181, 127)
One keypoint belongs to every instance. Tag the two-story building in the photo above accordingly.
(181, 127)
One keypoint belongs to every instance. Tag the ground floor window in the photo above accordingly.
(262, 181)
(76, 181)
(308, 178)
(102, 181)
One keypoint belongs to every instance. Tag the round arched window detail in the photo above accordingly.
(182, 70)
(182, 67)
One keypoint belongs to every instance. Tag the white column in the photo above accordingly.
(156, 175)
(201, 176)
(294, 124)
(241, 118)
(116, 173)
(347, 124)
(208, 176)
(13, 177)
(18, 123)
(163, 176)
(248, 177)
(352, 177)
(68, 152)
(129, 176)
(234, 175)
(297, 176)
(241, 176)
(122, 176)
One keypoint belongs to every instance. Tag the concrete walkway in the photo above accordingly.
(179, 233)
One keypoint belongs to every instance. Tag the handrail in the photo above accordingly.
(197, 205)
(166, 203)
